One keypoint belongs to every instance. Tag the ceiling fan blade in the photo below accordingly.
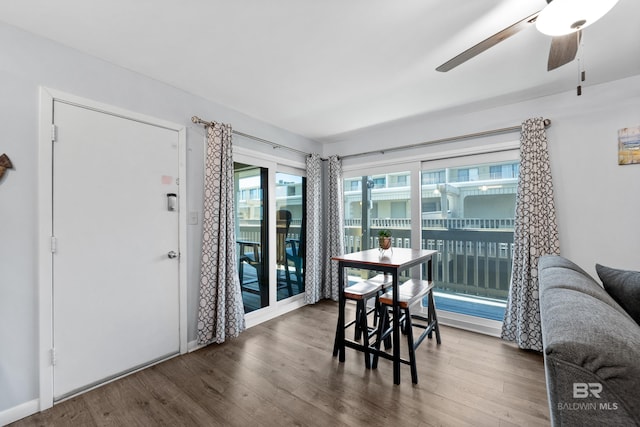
(563, 50)
(489, 42)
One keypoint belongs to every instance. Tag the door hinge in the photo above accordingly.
(54, 133)
(52, 353)
(54, 244)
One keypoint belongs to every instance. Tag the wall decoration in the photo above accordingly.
(629, 146)
(5, 164)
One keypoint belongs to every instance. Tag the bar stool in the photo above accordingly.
(361, 293)
(409, 293)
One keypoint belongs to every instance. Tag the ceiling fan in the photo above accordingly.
(561, 19)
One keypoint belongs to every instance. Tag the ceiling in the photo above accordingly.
(325, 68)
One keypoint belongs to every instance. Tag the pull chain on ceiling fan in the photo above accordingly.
(581, 69)
(562, 19)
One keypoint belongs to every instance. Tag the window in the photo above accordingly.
(473, 236)
(398, 210)
(504, 171)
(467, 210)
(430, 206)
(434, 177)
(380, 182)
(463, 175)
(400, 180)
(376, 208)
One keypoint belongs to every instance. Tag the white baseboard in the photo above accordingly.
(259, 316)
(18, 412)
(193, 346)
(470, 323)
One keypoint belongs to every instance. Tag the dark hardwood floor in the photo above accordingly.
(282, 373)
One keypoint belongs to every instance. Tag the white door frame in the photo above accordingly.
(45, 216)
(276, 308)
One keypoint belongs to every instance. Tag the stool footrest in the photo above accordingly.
(429, 327)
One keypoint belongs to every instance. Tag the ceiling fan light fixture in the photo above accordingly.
(562, 17)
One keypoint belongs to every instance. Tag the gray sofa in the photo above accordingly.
(591, 347)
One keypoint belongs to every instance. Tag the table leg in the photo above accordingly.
(341, 307)
(396, 329)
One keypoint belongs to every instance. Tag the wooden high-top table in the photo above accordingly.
(393, 261)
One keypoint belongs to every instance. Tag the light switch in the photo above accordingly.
(193, 218)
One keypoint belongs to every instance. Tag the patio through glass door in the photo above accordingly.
(251, 234)
(270, 233)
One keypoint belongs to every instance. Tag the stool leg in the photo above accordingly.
(335, 342)
(383, 324)
(364, 331)
(376, 311)
(403, 326)
(433, 317)
(361, 311)
(412, 350)
(385, 314)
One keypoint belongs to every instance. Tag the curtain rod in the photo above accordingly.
(547, 123)
(274, 145)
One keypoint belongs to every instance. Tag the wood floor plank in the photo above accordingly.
(203, 382)
(183, 409)
(282, 373)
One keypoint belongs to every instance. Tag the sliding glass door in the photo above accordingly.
(468, 216)
(270, 235)
(461, 206)
(373, 203)
(251, 234)
(290, 234)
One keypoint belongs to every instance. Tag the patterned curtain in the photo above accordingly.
(325, 232)
(221, 311)
(334, 227)
(315, 235)
(535, 234)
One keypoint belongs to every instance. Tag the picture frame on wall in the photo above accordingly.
(629, 146)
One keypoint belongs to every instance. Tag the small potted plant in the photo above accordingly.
(384, 239)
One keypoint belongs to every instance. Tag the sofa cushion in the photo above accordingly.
(624, 287)
(557, 272)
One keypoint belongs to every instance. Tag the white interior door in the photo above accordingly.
(115, 289)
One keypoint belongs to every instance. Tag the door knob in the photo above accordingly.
(172, 254)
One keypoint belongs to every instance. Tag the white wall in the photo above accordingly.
(26, 63)
(597, 201)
